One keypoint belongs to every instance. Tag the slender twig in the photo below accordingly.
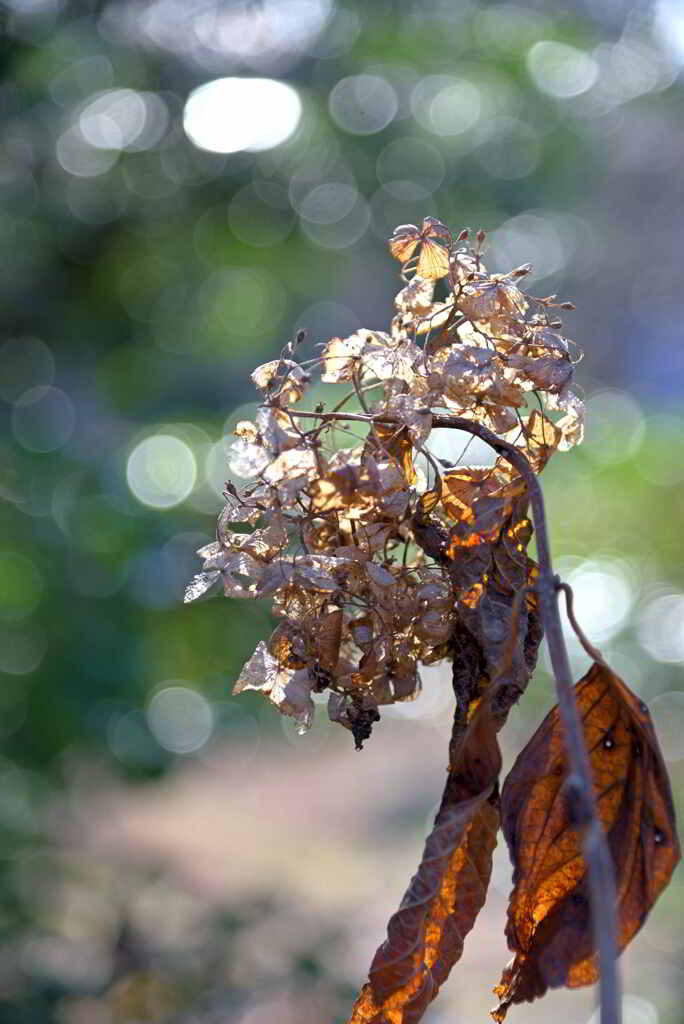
(592, 651)
(356, 380)
(600, 870)
(579, 785)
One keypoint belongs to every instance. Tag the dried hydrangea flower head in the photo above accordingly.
(378, 557)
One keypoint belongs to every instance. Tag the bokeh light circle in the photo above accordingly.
(76, 156)
(446, 105)
(180, 719)
(615, 426)
(605, 594)
(661, 628)
(43, 419)
(161, 471)
(229, 115)
(363, 104)
(410, 168)
(560, 70)
(328, 203)
(344, 232)
(455, 108)
(114, 119)
(532, 235)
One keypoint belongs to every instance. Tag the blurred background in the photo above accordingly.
(185, 183)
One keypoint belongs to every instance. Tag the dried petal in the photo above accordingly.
(547, 373)
(288, 689)
(411, 410)
(247, 459)
(293, 379)
(292, 464)
(200, 585)
(341, 356)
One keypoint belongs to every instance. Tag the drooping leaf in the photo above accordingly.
(549, 925)
(425, 937)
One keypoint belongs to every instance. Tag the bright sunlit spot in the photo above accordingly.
(114, 119)
(605, 596)
(233, 114)
(669, 27)
(161, 471)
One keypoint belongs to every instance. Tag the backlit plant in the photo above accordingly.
(380, 557)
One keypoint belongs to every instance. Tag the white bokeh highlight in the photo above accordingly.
(161, 471)
(180, 719)
(661, 628)
(560, 70)
(603, 596)
(230, 115)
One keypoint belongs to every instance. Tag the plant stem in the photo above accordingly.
(600, 870)
(579, 785)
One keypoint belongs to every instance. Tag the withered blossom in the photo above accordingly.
(372, 566)
(379, 558)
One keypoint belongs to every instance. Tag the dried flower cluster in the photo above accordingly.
(374, 552)
(379, 557)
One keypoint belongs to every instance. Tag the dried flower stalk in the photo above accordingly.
(379, 557)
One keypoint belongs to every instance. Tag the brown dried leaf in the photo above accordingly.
(487, 299)
(541, 439)
(412, 412)
(425, 937)
(416, 297)
(388, 360)
(293, 464)
(547, 372)
(548, 918)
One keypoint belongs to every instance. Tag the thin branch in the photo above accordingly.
(579, 785)
(600, 870)
(356, 380)
(592, 651)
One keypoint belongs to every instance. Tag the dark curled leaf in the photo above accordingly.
(549, 926)
(425, 937)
